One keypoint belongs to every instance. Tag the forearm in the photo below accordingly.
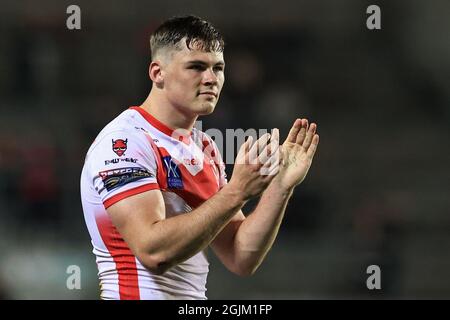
(173, 240)
(258, 231)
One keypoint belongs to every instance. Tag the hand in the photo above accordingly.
(297, 153)
(254, 170)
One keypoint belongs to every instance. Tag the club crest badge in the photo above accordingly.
(119, 146)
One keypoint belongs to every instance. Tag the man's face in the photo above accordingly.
(193, 79)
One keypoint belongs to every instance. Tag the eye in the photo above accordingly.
(196, 67)
(218, 68)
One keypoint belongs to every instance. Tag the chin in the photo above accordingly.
(206, 109)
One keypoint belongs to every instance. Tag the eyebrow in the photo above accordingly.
(203, 63)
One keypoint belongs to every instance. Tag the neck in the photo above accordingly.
(166, 113)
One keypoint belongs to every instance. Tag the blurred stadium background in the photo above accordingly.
(378, 192)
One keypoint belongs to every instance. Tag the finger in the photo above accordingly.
(302, 133)
(244, 150)
(257, 147)
(313, 147)
(275, 143)
(269, 154)
(271, 148)
(275, 138)
(272, 169)
(276, 155)
(273, 160)
(294, 131)
(265, 154)
(309, 135)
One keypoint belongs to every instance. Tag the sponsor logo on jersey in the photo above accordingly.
(119, 177)
(190, 162)
(174, 179)
(117, 160)
(119, 146)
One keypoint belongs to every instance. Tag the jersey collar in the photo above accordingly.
(161, 126)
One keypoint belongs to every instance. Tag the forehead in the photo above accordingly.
(194, 53)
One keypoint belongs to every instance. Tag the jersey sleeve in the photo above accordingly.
(122, 165)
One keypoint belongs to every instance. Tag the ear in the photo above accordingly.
(155, 72)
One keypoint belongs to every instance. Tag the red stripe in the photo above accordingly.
(161, 126)
(123, 258)
(160, 172)
(128, 193)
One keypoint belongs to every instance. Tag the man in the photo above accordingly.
(153, 188)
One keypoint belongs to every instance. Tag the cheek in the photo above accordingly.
(181, 86)
(221, 78)
(188, 80)
(221, 81)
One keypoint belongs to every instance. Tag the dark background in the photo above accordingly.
(378, 190)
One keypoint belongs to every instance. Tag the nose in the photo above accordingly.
(209, 77)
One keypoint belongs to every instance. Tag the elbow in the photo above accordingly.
(155, 264)
(245, 271)
(157, 269)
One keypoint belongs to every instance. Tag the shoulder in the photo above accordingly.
(122, 129)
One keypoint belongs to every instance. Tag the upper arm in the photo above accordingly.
(123, 170)
(223, 245)
(134, 216)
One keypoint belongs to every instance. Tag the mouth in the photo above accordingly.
(209, 93)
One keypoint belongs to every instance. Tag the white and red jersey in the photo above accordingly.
(135, 153)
